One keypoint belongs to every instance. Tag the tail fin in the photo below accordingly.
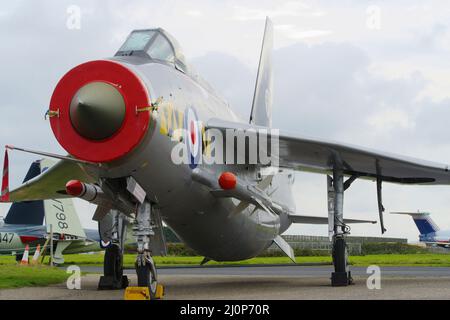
(423, 221)
(261, 113)
(29, 212)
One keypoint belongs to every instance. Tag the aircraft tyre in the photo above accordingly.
(113, 270)
(341, 276)
(147, 275)
(340, 255)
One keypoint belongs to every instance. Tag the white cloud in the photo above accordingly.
(194, 13)
(276, 9)
(292, 32)
(390, 119)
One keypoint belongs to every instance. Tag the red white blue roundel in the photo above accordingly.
(193, 137)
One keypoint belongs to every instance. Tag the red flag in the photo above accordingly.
(5, 180)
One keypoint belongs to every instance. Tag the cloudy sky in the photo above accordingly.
(371, 73)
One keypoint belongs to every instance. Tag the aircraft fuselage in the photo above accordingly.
(199, 219)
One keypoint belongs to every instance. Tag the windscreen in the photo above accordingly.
(137, 40)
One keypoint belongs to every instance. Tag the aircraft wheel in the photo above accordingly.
(113, 262)
(147, 278)
(340, 255)
(19, 257)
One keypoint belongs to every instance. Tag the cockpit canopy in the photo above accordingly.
(155, 44)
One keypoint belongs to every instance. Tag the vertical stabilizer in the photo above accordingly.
(423, 221)
(261, 113)
(28, 212)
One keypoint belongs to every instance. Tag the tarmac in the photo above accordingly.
(284, 282)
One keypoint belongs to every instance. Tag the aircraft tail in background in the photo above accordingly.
(28, 212)
(60, 213)
(423, 221)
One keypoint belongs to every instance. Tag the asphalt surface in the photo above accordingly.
(288, 270)
(271, 282)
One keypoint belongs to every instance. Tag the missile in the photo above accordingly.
(229, 185)
(89, 192)
(94, 194)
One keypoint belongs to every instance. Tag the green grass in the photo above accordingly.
(97, 259)
(420, 259)
(423, 259)
(15, 276)
(442, 260)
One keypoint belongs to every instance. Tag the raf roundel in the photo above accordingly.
(193, 137)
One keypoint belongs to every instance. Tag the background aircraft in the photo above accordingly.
(29, 223)
(119, 120)
(429, 231)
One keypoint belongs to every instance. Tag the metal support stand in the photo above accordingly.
(113, 229)
(51, 245)
(341, 275)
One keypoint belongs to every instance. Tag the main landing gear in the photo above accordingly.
(113, 233)
(338, 230)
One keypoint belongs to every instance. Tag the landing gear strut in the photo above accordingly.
(338, 230)
(145, 266)
(113, 230)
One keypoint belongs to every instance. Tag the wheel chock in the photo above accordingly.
(137, 293)
(159, 291)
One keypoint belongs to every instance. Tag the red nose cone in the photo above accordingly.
(227, 181)
(74, 188)
(96, 113)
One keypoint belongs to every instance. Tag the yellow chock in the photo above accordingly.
(137, 293)
(159, 291)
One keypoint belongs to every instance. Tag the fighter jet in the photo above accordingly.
(430, 233)
(147, 138)
(30, 222)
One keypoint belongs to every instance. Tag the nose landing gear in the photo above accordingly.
(143, 230)
(146, 274)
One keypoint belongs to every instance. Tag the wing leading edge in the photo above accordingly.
(50, 184)
(316, 155)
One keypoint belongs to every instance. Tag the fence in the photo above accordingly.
(319, 243)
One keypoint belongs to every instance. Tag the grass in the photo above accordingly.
(419, 259)
(422, 260)
(15, 276)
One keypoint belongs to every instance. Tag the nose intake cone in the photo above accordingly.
(97, 111)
